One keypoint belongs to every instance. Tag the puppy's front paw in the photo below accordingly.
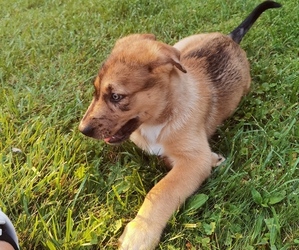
(139, 235)
(217, 159)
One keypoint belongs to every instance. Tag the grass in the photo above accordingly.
(65, 191)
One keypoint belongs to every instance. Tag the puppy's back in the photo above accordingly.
(217, 61)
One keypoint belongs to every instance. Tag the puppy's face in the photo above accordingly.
(130, 89)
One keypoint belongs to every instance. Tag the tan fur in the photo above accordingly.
(175, 97)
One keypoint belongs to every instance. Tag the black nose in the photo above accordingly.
(86, 130)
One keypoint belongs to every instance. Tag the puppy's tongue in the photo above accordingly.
(107, 139)
(112, 139)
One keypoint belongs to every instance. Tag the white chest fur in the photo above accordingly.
(149, 141)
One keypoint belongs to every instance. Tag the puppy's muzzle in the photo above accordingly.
(87, 130)
(98, 131)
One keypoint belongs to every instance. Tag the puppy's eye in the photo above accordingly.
(116, 97)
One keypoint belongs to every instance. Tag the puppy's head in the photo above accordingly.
(131, 88)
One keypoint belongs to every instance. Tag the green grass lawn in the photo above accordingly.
(65, 191)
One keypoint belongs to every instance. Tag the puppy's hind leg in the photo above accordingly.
(217, 159)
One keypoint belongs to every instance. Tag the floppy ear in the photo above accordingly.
(172, 55)
(127, 40)
(148, 36)
(176, 62)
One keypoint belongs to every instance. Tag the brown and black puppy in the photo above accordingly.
(169, 100)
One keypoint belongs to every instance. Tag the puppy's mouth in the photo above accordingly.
(124, 132)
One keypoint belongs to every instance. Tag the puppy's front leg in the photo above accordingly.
(143, 233)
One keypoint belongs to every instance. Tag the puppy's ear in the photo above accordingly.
(176, 62)
(127, 40)
(148, 36)
(171, 55)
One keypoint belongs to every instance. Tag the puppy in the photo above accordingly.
(169, 100)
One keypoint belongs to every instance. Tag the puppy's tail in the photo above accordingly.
(238, 33)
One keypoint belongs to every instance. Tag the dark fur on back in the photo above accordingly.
(217, 59)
